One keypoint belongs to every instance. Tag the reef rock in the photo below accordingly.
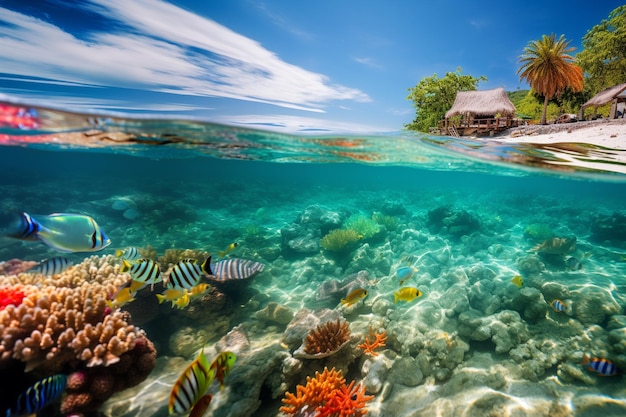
(276, 313)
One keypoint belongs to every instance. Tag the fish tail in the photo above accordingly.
(26, 228)
(395, 297)
(125, 266)
(119, 253)
(586, 360)
(221, 254)
(206, 266)
(161, 298)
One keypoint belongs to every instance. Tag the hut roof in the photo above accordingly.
(607, 95)
(482, 103)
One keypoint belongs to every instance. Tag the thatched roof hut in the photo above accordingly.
(482, 103)
(615, 94)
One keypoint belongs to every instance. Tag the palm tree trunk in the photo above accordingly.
(545, 110)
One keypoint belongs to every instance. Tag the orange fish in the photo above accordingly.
(222, 365)
(354, 296)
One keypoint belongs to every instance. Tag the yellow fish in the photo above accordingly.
(170, 294)
(354, 296)
(407, 294)
(518, 281)
(222, 365)
(121, 298)
(198, 290)
(228, 250)
(182, 302)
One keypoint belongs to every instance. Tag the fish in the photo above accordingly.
(131, 253)
(518, 281)
(556, 246)
(187, 273)
(234, 268)
(354, 296)
(143, 270)
(121, 298)
(64, 232)
(37, 396)
(410, 259)
(170, 294)
(227, 250)
(198, 290)
(601, 366)
(191, 385)
(407, 294)
(222, 366)
(573, 264)
(51, 266)
(201, 406)
(405, 273)
(560, 306)
(182, 302)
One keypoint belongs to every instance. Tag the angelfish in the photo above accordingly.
(191, 385)
(64, 232)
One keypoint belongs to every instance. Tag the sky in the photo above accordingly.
(315, 66)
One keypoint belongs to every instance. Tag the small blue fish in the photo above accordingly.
(405, 273)
(40, 394)
(601, 366)
(63, 232)
(51, 266)
(188, 273)
(559, 306)
(235, 268)
(131, 253)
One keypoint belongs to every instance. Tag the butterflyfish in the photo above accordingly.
(64, 232)
(37, 396)
(201, 406)
(518, 281)
(405, 273)
(407, 294)
(191, 385)
(51, 266)
(601, 366)
(227, 250)
(560, 306)
(131, 253)
(143, 270)
(187, 273)
(234, 268)
(222, 365)
(354, 296)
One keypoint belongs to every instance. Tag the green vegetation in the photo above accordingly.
(538, 232)
(388, 222)
(549, 70)
(603, 57)
(434, 96)
(366, 228)
(340, 240)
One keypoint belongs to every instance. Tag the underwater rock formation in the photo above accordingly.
(453, 222)
(609, 228)
(505, 328)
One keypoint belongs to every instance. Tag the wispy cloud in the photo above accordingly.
(166, 49)
(279, 21)
(297, 124)
(369, 62)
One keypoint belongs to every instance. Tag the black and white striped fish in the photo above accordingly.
(131, 253)
(39, 395)
(187, 273)
(51, 266)
(144, 270)
(233, 268)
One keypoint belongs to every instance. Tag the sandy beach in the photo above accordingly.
(605, 133)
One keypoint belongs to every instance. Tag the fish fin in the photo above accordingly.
(221, 254)
(585, 360)
(119, 253)
(206, 266)
(125, 266)
(395, 297)
(161, 298)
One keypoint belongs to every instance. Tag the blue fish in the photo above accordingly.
(405, 273)
(40, 394)
(63, 231)
(601, 366)
(560, 306)
(234, 268)
(51, 266)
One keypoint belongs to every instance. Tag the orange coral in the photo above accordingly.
(327, 337)
(327, 395)
(377, 340)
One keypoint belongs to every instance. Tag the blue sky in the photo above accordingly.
(342, 65)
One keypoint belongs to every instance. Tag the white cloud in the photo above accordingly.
(168, 49)
(369, 62)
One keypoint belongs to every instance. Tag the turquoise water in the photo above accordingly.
(467, 213)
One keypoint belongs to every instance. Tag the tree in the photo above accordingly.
(547, 66)
(603, 58)
(434, 96)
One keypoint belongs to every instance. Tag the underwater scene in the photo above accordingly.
(153, 266)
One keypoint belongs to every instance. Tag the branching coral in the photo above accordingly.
(340, 240)
(326, 395)
(373, 341)
(11, 295)
(327, 337)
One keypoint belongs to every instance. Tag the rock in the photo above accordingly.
(375, 371)
(406, 371)
(276, 313)
(531, 304)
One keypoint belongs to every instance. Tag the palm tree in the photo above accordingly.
(548, 68)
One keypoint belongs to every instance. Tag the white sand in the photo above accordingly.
(606, 133)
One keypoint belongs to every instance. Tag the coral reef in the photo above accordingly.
(65, 323)
(11, 295)
(340, 240)
(609, 228)
(363, 226)
(327, 338)
(373, 341)
(538, 232)
(454, 222)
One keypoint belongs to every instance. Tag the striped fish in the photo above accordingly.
(39, 395)
(601, 366)
(559, 306)
(144, 270)
(131, 253)
(191, 385)
(232, 269)
(187, 273)
(222, 365)
(51, 266)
